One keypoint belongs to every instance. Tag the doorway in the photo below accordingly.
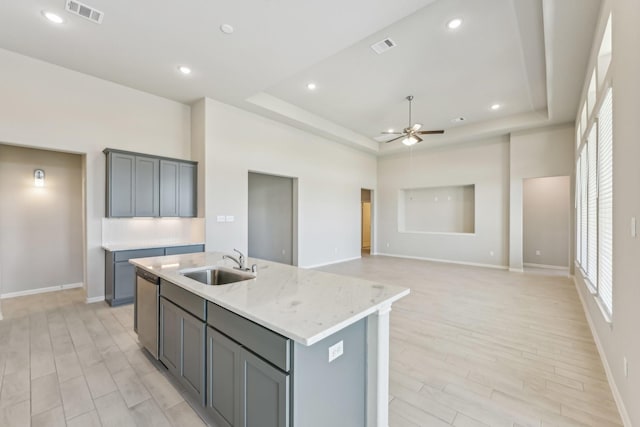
(546, 211)
(365, 209)
(273, 218)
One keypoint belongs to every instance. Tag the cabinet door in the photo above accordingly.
(190, 249)
(170, 335)
(192, 359)
(147, 186)
(124, 284)
(223, 379)
(120, 185)
(169, 173)
(264, 393)
(187, 193)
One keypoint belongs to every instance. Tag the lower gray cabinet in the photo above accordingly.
(242, 388)
(120, 276)
(264, 393)
(223, 379)
(182, 346)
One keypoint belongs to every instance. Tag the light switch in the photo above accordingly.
(230, 218)
(220, 218)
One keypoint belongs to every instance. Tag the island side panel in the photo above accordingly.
(378, 368)
(331, 393)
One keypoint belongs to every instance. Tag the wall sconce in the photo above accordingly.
(38, 178)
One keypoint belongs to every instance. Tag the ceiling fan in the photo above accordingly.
(411, 134)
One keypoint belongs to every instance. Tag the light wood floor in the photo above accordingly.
(480, 347)
(469, 347)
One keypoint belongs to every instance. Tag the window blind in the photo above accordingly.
(578, 207)
(583, 208)
(592, 202)
(605, 201)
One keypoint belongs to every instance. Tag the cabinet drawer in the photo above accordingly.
(138, 253)
(177, 250)
(267, 344)
(183, 298)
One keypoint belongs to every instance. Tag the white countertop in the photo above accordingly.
(114, 247)
(304, 305)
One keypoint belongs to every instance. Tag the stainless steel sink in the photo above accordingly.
(217, 276)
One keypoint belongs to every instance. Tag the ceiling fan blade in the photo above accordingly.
(430, 132)
(416, 127)
(394, 139)
(418, 138)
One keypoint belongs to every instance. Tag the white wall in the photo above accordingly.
(49, 107)
(547, 208)
(619, 339)
(330, 177)
(41, 228)
(535, 154)
(484, 164)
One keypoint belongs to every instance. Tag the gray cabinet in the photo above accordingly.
(178, 188)
(264, 393)
(120, 276)
(141, 185)
(223, 379)
(245, 388)
(182, 346)
(147, 186)
(121, 170)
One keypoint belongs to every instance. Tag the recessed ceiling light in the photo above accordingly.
(496, 107)
(184, 70)
(226, 28)
(56, 19)
(454, 23)
(458, 120)
(311, 86)
(390, 130)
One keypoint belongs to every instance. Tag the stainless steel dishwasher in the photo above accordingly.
(147, 319)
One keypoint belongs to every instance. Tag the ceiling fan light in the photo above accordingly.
(416, 127)
(410, 140)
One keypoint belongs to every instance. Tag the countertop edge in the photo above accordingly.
(117, 247)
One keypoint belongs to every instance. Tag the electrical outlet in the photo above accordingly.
(626, 368)
(387, 244)
(537, 252)
(221, 218)
(336, 350)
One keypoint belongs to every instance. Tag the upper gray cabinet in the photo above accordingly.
(178, 184)
(140, 185)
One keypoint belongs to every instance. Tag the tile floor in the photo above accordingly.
(469, 347)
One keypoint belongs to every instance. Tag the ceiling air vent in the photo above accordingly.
(85, 11)
(383, 46)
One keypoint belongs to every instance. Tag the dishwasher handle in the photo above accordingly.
(147, 276)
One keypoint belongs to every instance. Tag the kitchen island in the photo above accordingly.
(288, 347)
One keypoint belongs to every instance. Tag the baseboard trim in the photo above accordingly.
(550, 267)
(516, 270)
(94, 299)
(331, 262)
(626, 421)
(446, 261)
(41, 290)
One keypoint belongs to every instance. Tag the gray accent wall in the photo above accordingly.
(271, 217)
(546, 217)
(40, 228)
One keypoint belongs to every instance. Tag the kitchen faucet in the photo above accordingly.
(241, 262)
